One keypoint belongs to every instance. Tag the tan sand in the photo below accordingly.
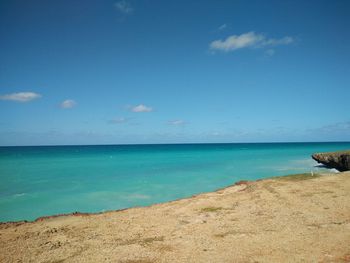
(289, 219)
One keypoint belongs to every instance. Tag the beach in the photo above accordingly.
(300, 218)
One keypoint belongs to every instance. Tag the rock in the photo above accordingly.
(338, 160)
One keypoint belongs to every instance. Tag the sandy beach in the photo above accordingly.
(300, 218)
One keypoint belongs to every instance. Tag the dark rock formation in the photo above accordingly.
(337, 160)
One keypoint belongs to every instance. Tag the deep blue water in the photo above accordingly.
(46, 180)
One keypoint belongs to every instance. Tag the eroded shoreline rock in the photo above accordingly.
(338, 160)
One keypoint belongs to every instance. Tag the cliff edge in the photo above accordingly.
(338, 160)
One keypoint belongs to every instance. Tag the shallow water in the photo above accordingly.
(46, 180)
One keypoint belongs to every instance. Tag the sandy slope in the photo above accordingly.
(290, 219)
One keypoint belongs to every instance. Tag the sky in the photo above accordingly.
(156, 71)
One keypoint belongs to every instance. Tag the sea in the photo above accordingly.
(38, 181)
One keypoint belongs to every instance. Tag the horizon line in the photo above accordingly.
(184, 143)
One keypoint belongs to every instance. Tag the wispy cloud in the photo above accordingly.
(141, 108)
(248, 40)
(270, 52)
(120, 120)
(21, 96)
(333, 128)
(67, 104)
(222, 27)
(339, 131)
(124, 7)
(177, 122)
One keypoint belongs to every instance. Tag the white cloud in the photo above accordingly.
(177, 122)
(67, 104)
(21, 96)
(235, 42)
(141, 108)
(124, 7)
(246, 40)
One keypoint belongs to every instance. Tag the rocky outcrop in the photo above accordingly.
(337, 160)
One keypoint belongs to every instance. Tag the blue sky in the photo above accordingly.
(115, 72)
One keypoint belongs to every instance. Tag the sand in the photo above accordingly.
(287, 219)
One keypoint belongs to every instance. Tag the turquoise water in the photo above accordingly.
(46, 180)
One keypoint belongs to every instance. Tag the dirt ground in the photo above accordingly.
(299, 218)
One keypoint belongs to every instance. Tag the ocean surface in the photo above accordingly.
(47, 180)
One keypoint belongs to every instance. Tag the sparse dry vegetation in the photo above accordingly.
(211, 209)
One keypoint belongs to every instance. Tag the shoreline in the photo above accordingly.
(299, 217)
(78, 213)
